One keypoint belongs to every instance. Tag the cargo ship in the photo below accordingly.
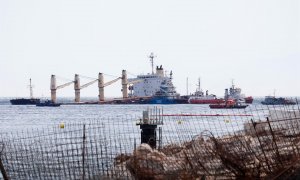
(199, 98)
(157, 86)
(26, 101)
(272, 100)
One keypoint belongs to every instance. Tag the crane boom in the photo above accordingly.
(111, 82)
(64, 85)
(92, 82)
(88, 84)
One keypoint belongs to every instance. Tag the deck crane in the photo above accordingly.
(53, 87)
(101, 86)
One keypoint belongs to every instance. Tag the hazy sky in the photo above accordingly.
(254, 42)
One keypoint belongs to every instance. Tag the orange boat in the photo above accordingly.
(229, 104)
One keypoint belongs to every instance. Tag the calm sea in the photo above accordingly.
(22, 117)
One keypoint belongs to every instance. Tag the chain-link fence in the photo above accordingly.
(252, 143)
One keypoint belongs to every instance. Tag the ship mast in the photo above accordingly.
(152, 62)
(199, 84)
(30, 87)
(187, 86)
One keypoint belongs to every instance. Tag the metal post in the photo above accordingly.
(2, 169)
(83, 153)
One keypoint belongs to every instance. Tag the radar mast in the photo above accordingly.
(152, 61)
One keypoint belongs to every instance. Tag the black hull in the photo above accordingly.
(48, 105)
(24, 101)
(277, 101)
(218, 106)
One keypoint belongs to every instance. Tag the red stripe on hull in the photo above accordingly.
(206, 101)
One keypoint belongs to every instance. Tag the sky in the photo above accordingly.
(255, 43)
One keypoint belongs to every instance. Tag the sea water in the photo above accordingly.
(22, 117)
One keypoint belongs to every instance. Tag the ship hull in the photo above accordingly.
(224, 106)
(277, 101)
(249, 100)
(48, 105)
(167, 100)
(24, 101)
(206, 101)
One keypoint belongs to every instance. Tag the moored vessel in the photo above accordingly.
(199, 98)
(272, 100)
(236, 94)
(157, 86)
(229, 104)
(48, 103)
(26, 101)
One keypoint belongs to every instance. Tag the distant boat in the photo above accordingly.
(229, 104)
(23, 101)
(199, 98)
(26, 101)
(272, 100)
(48, 103)
(236, 94)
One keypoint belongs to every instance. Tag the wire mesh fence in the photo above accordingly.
(252, 143)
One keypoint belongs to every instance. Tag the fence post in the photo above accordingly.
(83, 153)
(274, 140)
(260, 144)
(2, 169)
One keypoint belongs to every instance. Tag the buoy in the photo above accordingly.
(227, 121)
(62, 125)
(179, 121)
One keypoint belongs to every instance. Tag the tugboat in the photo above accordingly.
(272, 100)
(26, 101)
(229, 104)
(48, 103)
(199, 98)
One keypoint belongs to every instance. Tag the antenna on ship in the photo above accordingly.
(232, 82)
(199, 84)
(152, 62)
(30, 87)
(187, 86)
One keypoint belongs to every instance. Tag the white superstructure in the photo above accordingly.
(150, 84)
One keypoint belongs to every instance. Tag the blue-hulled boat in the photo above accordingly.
(272, 100)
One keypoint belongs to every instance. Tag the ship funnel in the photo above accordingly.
(160, 71)
(77, 88)
(53, 88)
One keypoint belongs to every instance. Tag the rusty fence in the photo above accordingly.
(256, 142)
